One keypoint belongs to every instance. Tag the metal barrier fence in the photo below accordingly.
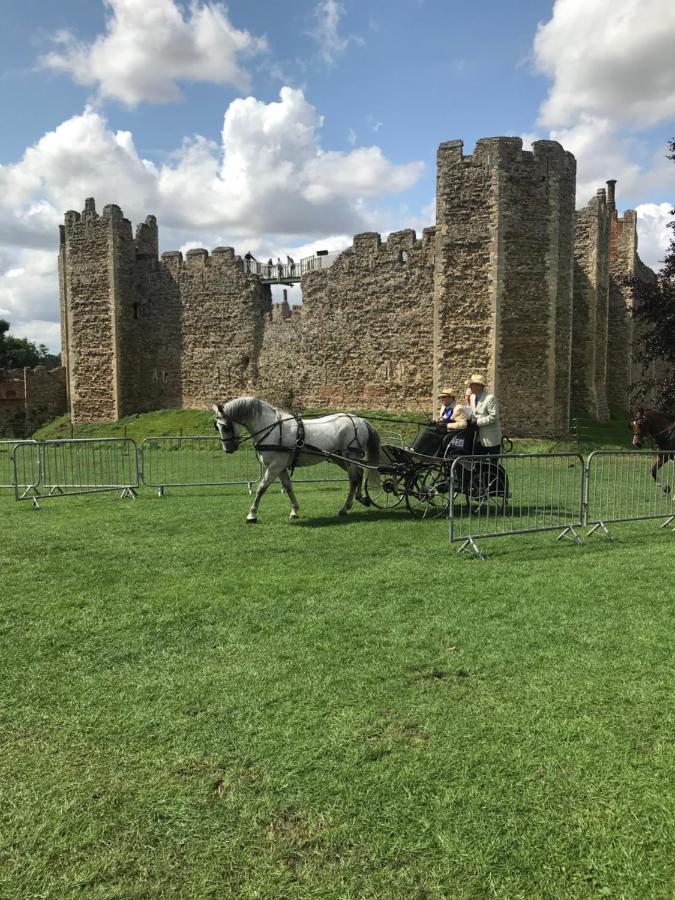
(620, 488)
(84, 466)
(27, 477)
(195, 462)
(518, 493)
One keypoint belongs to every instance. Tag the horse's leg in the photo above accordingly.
(354, 475)
(660, 460)
(360, 496)
(271, 473)
(285, 480)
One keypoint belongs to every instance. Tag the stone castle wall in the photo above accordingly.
(503, 289)
(363, 335)
(509, 282)
(591, 298)
(29, 398)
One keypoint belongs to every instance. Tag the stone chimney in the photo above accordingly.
(611, 204)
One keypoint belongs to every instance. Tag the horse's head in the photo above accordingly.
(639, 427)
(228, 430)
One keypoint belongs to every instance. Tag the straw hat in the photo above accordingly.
(476, 379)
(448, 392)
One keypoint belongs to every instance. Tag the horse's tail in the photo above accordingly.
(373, 455)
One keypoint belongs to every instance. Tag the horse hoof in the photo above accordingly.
(292, 516)
(342, 515)
(251, 520)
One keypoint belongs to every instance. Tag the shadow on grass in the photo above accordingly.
(357, 515)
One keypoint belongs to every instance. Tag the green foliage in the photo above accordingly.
(191, 707)
(17, 353)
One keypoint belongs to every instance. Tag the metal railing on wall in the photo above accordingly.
(620, 487)
(520, 493)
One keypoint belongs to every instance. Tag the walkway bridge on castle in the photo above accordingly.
(290, 272)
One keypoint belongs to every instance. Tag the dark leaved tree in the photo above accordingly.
(15, 353)
(654, 310)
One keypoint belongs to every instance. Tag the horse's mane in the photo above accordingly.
(660, 412)
(241, 407)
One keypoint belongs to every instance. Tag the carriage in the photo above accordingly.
(423, 476)
(428, 475)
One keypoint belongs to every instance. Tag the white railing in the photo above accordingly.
(285, 272)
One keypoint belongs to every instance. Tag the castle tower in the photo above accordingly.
(623, 263)
(503, 281)
(95, 272)
(591, 307)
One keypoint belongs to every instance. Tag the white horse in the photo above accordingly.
(284, 442)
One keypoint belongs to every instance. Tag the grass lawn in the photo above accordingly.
(193, 707)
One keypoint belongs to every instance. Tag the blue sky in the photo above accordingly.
(143, 103)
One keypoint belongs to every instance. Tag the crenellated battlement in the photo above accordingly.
(505, 152)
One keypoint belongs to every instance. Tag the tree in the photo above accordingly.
(654, 309)
(15, 353)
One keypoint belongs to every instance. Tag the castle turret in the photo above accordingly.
(503, 282)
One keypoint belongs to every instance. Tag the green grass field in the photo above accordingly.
(194, 707)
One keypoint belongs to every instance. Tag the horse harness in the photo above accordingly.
(300, 445)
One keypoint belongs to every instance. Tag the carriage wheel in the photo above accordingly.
(388, 495)
(488, 489)
(427, 494)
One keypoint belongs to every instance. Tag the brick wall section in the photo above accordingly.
(591, 298)
(29, 398)
(363, 336)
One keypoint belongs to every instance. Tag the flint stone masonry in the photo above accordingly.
(29, 398)
(504, 275)
(509, 282)
(363, 336)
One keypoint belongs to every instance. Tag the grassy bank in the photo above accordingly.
(593, 435)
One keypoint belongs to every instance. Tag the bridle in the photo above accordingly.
(227, 433)
(643, 426)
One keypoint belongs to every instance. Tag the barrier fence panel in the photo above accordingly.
(517, 493)
(195, 461)
(21, 473)
(85, 466)
(620, 488)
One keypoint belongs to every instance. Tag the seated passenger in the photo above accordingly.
(453, 418)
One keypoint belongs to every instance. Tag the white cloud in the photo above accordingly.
(612, 77)
(268, 184)
(149, 47)
(654, 236)
(608, 58)
(29, 294)
(326, 31)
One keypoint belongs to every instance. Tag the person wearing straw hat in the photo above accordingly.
(452, 415)
(484, 412)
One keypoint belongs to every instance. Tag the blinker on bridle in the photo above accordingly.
(227, 426)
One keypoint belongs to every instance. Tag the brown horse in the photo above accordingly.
(661, 427)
